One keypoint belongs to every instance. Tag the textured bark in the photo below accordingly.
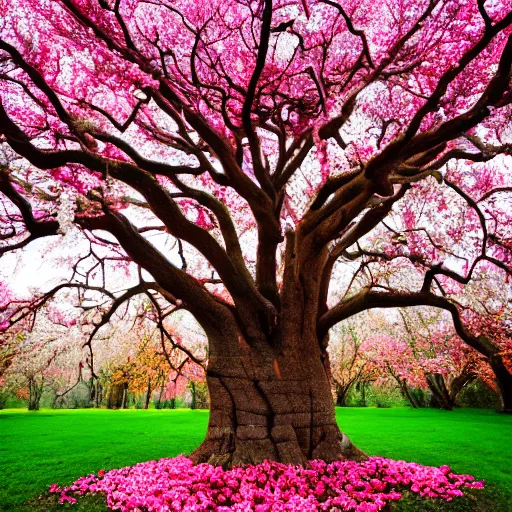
(406, 393)
(446, 395)
(459, 382)
(98, 394)
(271, 404)
(124, 402)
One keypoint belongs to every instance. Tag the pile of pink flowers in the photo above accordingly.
(177, 485)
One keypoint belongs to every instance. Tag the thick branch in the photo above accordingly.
(368, 299)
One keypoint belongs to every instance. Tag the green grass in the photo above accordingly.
(40, 448)
(473, 441)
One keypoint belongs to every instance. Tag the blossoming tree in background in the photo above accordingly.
(415, 351)
(407, 250)
(230, 156)
(349, 357)
(422, 351)
(447, 363)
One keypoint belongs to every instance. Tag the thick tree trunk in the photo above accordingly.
(459, 382)
(278, 409)
(504, 380)
(269, 381)
(341, 397)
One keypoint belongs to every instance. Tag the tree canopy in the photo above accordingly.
(272, 167)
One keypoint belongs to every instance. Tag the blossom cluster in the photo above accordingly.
(177, 485)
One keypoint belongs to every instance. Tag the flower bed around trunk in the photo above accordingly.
(176, 485)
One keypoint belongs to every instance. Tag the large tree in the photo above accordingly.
(267, 137)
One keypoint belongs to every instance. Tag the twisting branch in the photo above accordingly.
(357, 32)
(259, 169)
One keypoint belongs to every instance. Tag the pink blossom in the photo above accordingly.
(66, 499)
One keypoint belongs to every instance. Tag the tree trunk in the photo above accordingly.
(438, 387)
(116, 396)
(341, 395)
(148, 395)
(193, 403)
(158, 404)
(459, 382)
(278, 409)
(124, 401)
(173, 393)
(404, 388)
(504, 380)
(35, 393)
(406, 393)
(269, 381)
(98, 390)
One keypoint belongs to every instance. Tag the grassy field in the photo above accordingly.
(40, 448)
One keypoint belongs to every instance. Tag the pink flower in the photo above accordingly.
(177, 485)
(65, 498)
(54, 488)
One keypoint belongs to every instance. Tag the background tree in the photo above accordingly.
(447, 363)
(265, 138)
(466, 259)
(348, 358)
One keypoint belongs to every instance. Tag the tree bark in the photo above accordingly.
(406, 393)
(403, 387)
(158, 404)
(97, 392)
(363, 393)
(504, 380)
(341, 396)
(459, 382)
(270, 404)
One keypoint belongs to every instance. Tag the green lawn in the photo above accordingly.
(40, 448)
